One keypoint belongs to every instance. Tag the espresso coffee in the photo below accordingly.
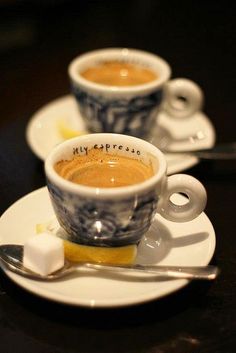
(103, 170)
(118, 73)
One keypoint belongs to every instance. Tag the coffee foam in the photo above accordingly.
(97, 168)
(118, 73)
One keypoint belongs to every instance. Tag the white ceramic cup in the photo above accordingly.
(118, 216)
(131, 110)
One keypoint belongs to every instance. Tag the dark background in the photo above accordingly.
(38, 39)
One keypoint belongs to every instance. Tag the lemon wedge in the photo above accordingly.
(113, 255)
(66, 131)
(81, 253)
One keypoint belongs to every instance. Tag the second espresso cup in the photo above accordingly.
(120, 90)
(107, 188)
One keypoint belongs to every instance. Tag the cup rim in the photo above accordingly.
(164, 71)
(95, 192)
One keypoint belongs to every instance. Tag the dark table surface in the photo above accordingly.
(37, 41)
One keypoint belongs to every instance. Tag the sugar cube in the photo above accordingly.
(43, 253)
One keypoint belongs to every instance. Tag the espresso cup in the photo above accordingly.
(108, 216)
(130, 108)
(98, 208)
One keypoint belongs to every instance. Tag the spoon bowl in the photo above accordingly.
(11, 258)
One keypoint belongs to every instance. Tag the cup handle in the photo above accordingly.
(192, 188)
(182, 98)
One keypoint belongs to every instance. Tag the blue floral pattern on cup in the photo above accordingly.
(131, 116)
(103, 222)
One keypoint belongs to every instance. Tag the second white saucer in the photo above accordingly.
(42, 132)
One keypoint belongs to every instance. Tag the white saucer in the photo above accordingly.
(166, 243)
(42, 133)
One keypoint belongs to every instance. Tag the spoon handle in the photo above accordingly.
(220, 152)
(188, 272)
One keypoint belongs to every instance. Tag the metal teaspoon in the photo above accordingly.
(11, 257)
(220, 152)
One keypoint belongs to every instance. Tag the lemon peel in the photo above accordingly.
(81, 253)
(113, 255)
(66, 131)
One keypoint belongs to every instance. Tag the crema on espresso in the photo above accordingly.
(118, 73)
(104, 170)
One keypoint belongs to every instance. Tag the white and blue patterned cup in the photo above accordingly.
(118, 216)
(130, 110)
